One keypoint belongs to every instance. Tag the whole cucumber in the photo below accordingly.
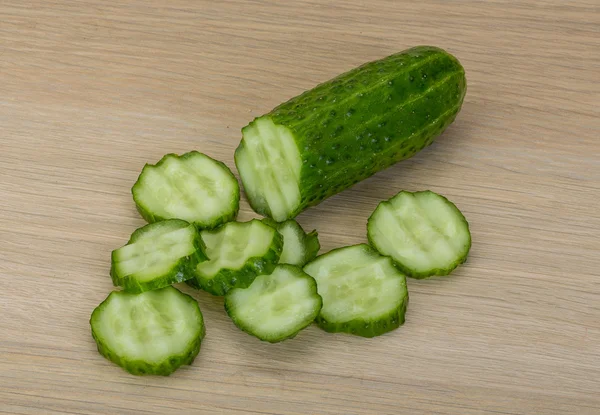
(347, 129)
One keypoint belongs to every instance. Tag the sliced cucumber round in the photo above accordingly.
(157, 255)
(298, 246)
(423, 232)
(363, 293)
(192, 187)
(277, 306)
(238, 252)
(152, 333)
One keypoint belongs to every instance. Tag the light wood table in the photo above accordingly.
(91, 90)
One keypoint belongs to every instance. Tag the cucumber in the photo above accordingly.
(157, 255)
(192, 187)
(238, 252)
(277, 306)
(346, 129)
(423, 232)
(298, 246)
(152, 333)
(363, 293)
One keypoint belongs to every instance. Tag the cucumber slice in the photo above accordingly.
(157, 255)
(298, 246)
(277, 306)
(152, 333)
(192, 187)
(363, 293)
(348, 128)
(238, 252)
(423, 232)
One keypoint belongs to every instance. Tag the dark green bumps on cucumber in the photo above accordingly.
(347, 129)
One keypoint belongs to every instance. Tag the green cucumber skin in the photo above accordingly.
(182, 271)
(151, 218)
(240, 325)
(311, 240)
(227, 279)
(313, 246)
(367, 119)
(439, 272)
(138, 367)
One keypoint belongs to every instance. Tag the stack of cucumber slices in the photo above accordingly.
(273, 281)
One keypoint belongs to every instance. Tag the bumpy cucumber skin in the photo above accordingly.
(182, 271)
(240, 324)
(367, 119)
(362, 327)
(139, 367)
(151, 218)
(439, 272)
(227, 279)
(310, 240)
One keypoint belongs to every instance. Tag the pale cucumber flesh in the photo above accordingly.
(269, 163)
(276, 306)
(298, 246)
(237, 252)
(145, 259)
(293, 247)
(232, 245)
(192, 187)
(154, 332)
(423, 232)
(157, 255)
(363, 293)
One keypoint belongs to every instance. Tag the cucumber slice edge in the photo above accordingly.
(387, 323)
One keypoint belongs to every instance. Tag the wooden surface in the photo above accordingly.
(91, 90)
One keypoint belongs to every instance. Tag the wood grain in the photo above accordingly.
(91, 90)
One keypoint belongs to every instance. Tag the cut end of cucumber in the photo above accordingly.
(150, 333)
(276, 306)
(192, 187)
(363, 293)
(423, 232)
(269, 164)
